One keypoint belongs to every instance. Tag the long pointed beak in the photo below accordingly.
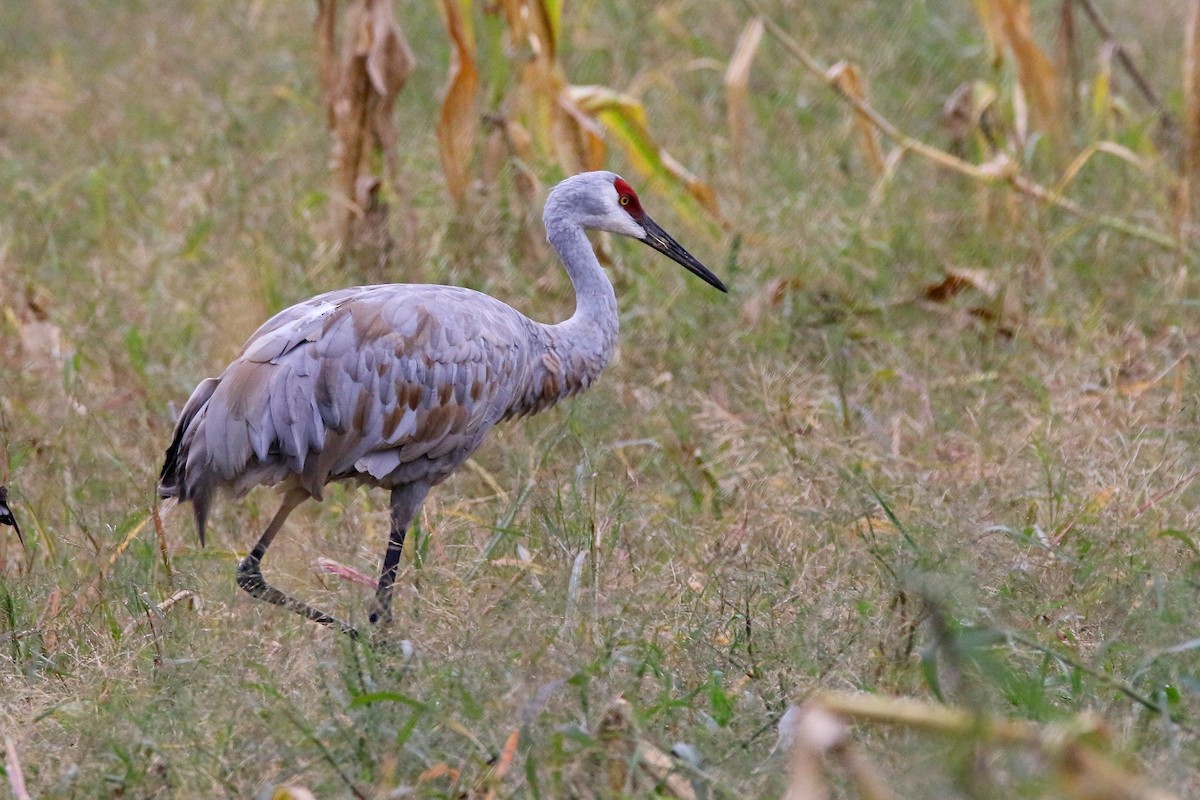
(661, 241)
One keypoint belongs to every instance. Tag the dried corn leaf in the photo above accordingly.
(1020, 116)
(389, 59)
(547, 17)
(625, 118)
(1035, 70)
(815, 735)
(1076, 753)
(582, 133)
(570, 123)
(944, 289)
(292, 793)
(439, 770)
(537, 23)
(849, 80)
(808, 733)
(379, 56)
(967, 110)
(958, 114)
(956, 281)
(1191, 90)
(1111, 148)
(458, 120)
(993, 30)
(1066, 59)
(325, 33)
(360, 94)
(737, 83)
(558, 127)
(631, 760)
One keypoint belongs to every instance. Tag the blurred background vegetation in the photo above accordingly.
(940, 441)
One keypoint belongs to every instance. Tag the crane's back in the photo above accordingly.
(385, 384)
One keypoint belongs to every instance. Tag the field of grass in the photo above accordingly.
(829, 478)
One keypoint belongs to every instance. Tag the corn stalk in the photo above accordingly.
(359, 84)
(543, 119)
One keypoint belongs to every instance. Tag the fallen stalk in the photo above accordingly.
(1001, 170)
(1077, 752)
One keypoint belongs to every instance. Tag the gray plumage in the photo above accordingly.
(396, 385)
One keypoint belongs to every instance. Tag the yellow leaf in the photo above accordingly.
(1102, 90)
(1111, 148)
(990, 19)
(847, 78)
(458, 120)
(625, 118)
(1035, 70)
(292, 793)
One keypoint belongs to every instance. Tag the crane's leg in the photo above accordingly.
(406, 501)
(250, 577)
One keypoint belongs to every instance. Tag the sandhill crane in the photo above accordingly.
(6, 515)
(396, 385)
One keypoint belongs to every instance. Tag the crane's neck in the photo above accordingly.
(577, 350)
(592, 329)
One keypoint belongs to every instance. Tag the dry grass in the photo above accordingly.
(849, 474)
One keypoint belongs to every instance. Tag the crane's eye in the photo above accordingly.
(624, 200)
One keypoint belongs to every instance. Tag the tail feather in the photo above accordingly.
(201, 502)
(173, 479)
(6, 515)
(170, 477)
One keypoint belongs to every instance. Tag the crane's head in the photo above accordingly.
(604, 201)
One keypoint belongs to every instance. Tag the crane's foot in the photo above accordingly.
(250, 578)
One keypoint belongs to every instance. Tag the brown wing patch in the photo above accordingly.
(414, 334)
(392, 420)
(407, 395)
(551, 383)
(362, 410)
(435, 424)
(369, 322)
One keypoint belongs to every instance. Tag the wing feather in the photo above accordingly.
(388, 384)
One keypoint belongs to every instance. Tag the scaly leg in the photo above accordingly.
(250, 577)
(406, 501)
